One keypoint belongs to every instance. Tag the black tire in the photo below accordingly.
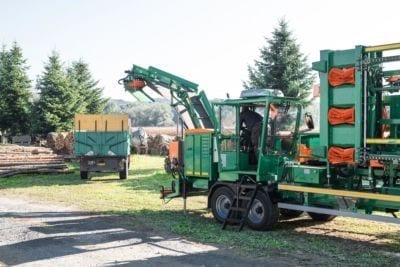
(290, 214)
(124, 173)
(84, 175)
(321, 217)
(221, 201)
(263, 214)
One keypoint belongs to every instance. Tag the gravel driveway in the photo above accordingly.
(39, 234)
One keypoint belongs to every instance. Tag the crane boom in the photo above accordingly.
(193, 106)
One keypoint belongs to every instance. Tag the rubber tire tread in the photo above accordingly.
(271, 210)
(223, 190)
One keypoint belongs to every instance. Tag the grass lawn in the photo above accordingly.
(340, 242)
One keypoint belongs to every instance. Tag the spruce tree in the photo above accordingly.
(15, 92)
(281, 65)
(3, 73)
(58, 100)
(91, 100)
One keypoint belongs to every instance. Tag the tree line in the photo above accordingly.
(159, 113)
(59, 92)
(50, 103)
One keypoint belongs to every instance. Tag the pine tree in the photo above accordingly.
(58, 101)
(3, 74)
(91, 100)
(15, 92)
(281, 65)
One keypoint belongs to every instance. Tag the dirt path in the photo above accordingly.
(38, 234)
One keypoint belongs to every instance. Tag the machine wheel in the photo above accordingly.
(263, 214)
(290, 214)
(321, 217)
(84, 175)
(221, 201)
(124, 173)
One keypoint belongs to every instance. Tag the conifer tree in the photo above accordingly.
(15, 92)
(58, 101)
(91, 100)
(281, 65)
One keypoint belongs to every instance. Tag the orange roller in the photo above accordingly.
(338, 76)
(341, 116)
(375, 164)
(305, 153)
(136, 84)
(338, 155)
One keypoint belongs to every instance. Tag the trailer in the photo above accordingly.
(350, 168)
(102, 143)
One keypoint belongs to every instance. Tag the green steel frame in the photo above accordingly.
(316, 183)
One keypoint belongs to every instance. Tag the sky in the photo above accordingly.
(209, 42)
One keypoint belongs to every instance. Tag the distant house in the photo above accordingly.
(316, 90)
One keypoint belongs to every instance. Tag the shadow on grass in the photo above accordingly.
(73, 178)
(74, 233)
(94, 239)
(316, 246)
(114, 176)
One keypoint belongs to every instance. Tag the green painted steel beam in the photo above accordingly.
(389, 121)
(169, 78)
(385, 89)
(320, 66)
(389, 73)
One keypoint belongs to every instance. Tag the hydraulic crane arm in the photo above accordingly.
(193, 106)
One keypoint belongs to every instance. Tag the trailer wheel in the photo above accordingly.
(263, 214)
(221, 201)
(84, 175)
(290, 214)
(321, 217)
(124, 173)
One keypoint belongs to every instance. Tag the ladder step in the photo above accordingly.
(244, 198)
(233, 220)
(243, 211)
(238, 209)
(248, 186)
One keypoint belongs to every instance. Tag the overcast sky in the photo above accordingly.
(209, 42)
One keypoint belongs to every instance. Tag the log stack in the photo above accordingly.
(61, 142)
(51, 140)
(159, 144)
(16, 159)
(69, 143)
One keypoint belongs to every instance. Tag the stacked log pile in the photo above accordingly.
(69, 143)
(61, 143)
(159, 144)
(51, 140)
(153, 131)
(16, 159)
